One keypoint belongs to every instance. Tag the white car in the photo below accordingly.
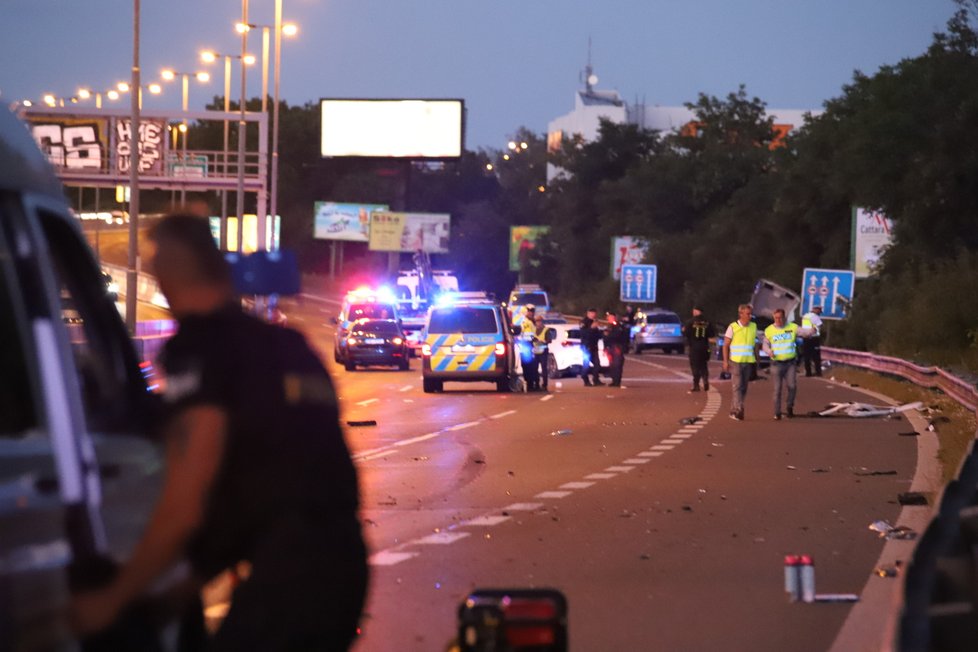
(566, 356)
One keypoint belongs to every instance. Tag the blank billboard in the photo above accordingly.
(392, 128)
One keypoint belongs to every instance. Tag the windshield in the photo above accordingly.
(379, 327)
(370, 310)
(463, 320)
(663, 318)
(523, 298)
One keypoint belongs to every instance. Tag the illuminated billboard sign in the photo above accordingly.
(333, 221)
(392, 128)
(410, 232)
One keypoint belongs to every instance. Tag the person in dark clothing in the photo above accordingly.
(590, 336)
(257, 470)
(615, 343)
(698, 333)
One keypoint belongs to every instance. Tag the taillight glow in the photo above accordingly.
(397, 341)
(500, 348)
(351, 341)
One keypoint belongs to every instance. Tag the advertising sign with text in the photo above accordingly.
(872, 233)
(410, 232)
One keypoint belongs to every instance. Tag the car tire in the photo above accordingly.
(336, 355)
(430, 385)
(404, 365)
(552, 369)
(638, 349)
(502, 385)
(350, 366)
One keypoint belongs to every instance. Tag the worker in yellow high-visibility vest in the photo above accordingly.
(780, 339)
(739, 354)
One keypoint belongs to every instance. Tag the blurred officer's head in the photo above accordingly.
(190, 269)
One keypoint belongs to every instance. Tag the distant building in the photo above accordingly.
(591, 105)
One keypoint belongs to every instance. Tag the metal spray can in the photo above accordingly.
(792, 577)
(807, 578)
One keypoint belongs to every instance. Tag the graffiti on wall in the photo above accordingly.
(76, 146)
(150, 146)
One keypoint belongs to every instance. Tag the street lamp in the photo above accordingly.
(86, 94)
(154, 89)
(169, 74)
(288, 29)
(209, 56)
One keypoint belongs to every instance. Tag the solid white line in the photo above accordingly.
(415, 440)
(462, 426)
(636, 460)
(576, 485)
(547, 397)
(661, 448)
(522, 507)
(406, 388)
(600, 476)
(553, 494)
(486, 520)
(441, 538)
(379, 455)
(503, 414)
(368, 401)
(619, 469)
(386, 558)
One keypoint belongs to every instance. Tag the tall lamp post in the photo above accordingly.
(209, 56)
(203, 77)
(242, 131)
(288, 29)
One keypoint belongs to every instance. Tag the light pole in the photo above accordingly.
(209, 56)
(203, 77)
(242, 131)
(133, 250)
(288, 29)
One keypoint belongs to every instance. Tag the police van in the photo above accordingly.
(468, 338)
(79, 471)
(527, 295)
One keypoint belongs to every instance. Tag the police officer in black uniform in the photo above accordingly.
(615, 343)
(698, 333)
(257, 468)
(590, 336)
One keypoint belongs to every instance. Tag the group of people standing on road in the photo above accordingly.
(616, 337)
(538, 336)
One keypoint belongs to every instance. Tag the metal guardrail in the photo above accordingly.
(939, 612)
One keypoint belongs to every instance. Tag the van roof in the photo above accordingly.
(24, 166)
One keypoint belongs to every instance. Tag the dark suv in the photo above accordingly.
(78, 473)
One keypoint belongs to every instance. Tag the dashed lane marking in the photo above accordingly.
(636, 460)
(441, 538)
(619, 469)
(601, 476)
(576, 485)
(368, 401)
(673, 440)
(522, 507)
(503, 414)
(660, 447)
(406, 388)
(388, 558)
(547, 397)
(553, 494)
(486, 521)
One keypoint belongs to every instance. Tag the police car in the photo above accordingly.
(527, 295)
(468, 338)
(362, 303)
(657, 328)
(78, 471)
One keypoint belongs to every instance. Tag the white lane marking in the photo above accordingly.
(660, 447)
(408, 400)
(636, 460)
(485, 521)
(461, 426)
(681, 435)
(368, 401)
(503, 414)
(383, 453)
(547, 397)
(690, 429)
(415, 440)
(652, 453)
(522, 507)
(406, 388)
(601, 476)
(441, 538)
(619, 469)
(576, 485)
(673, 441)
(553, 494)
(388, 558)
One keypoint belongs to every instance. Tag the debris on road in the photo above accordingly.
(688, 421)
(912, 498)
(863, 471)
(912, 433)
(859, 410)
(820, 470)
(889, 571)
(562, 432)
(836, 597)
(889, 532)
(366, 422)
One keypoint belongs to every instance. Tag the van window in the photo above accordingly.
(17, 403)
(462, 320)
(523, 298)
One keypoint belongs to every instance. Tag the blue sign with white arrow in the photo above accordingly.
(638, 283)
(829, 289)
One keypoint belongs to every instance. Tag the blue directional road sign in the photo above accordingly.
(829, 288)
(638, 283)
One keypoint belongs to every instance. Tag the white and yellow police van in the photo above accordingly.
(468, 338)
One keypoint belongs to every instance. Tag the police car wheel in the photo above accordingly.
(552, 369)
(350, 366)
(404, 365)
(431, 386)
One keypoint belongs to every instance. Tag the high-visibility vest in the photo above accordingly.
(743, 341)
(806, 322)
(540, 340)
(782, 341)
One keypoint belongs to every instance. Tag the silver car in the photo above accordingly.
(658, 329)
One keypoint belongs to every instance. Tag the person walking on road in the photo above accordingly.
(698, 333)
(739, 355)
(257, 470)
(590, 336)
(811, 347)
(542, 338)
(615, 343)
(781, 339)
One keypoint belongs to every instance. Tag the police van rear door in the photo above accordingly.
(463, 338)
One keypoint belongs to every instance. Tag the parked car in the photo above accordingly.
(79, 470)
(658, 329)
(566, 356)
(377, 342)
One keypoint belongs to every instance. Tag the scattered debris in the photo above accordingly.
(645, 556)
(820, 470)
(889, 571)
(852, 409)
(390, 502)
(888, 532)
(687, 508)
(912, 433)
(791, 467)
(864, 472)
(420, 458)
(836, 597)
(479, 461)
(562, 432)
(367, 422)
(912, 498)
(688, 421)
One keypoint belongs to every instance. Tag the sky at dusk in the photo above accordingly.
(514, 62)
